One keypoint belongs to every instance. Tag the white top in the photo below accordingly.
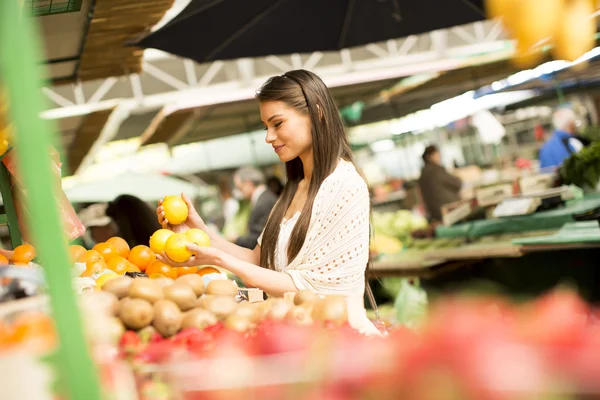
(335, 252)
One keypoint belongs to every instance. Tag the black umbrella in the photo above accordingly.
(209, 30)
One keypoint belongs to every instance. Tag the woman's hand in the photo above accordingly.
(202, 256)
(193, 220)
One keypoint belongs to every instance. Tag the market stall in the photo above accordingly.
(115, 322)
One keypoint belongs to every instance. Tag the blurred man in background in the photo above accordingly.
(250, 183)
(438, 187)
(563, 141)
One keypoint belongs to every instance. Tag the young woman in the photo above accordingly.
(317, 236)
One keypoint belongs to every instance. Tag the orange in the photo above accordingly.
(133, 268)
(186, 270)
(141, 256)
(176, 248)
(35, 329)
(89, 255)
(93, 267)
(118, 264)
(159, 239)
(160, 268)
(107, 250)
(24, 254)
(76, 251)
(208, 270)
(120, 244)
(176, 210)
(198, 236)
(3, 260)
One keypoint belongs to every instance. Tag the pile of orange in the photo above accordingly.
(34, 331)
(115, 255)
(21, 256)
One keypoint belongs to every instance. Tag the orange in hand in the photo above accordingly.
(88, 256)
(23, 254)
(118, 264)
(94, 267)
(76, 251)
(3, 260)
(120, 244)
(176, 210)
(176, 248)
(141, 256)
(159, 239)
(107, 250)
(160, 268)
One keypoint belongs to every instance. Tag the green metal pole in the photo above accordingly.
(9, 207)
(19, 67)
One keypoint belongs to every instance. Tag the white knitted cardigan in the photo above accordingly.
(335, 252)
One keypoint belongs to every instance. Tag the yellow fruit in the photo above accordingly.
(504, 9)
(576, 31)
(526, 57)
(199, 237)
(159, 239)
(176, 210)
(535, 20)
(102, 279)
(176, 247)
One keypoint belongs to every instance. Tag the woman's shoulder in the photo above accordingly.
(348, 176)
(344, 179)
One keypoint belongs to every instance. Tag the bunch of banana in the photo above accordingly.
(568, 25)
(6, 128)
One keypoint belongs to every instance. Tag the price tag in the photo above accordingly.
(514, 207)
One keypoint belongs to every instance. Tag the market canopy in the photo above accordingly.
(209, 30)
(148, 187)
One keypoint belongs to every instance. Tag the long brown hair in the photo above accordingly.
(305, 92)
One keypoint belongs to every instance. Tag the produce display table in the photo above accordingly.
(544, 220)
(407, 263)
(430, 262)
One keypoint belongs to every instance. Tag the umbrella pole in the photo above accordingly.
(19, 66)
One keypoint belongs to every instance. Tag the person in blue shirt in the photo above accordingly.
(562, 143)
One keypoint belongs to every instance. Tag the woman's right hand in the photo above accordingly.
(193, 221)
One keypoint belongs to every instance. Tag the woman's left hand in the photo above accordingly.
(202, 256)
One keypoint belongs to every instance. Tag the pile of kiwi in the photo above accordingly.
(168, 306)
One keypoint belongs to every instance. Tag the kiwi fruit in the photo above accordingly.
(278, 309)
(300, 315)
(305, 296)
(198, 318)
(147, 289)
(331, 308)
(222, 287)
(238, 323)
(136, 313)
(118, 286)
(248, 310)
(194, 281)
(182, 295)
(105, 303)
(221, 306)
(163, 281)
(167, 317)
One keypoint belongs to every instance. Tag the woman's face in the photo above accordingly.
(288, 131)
